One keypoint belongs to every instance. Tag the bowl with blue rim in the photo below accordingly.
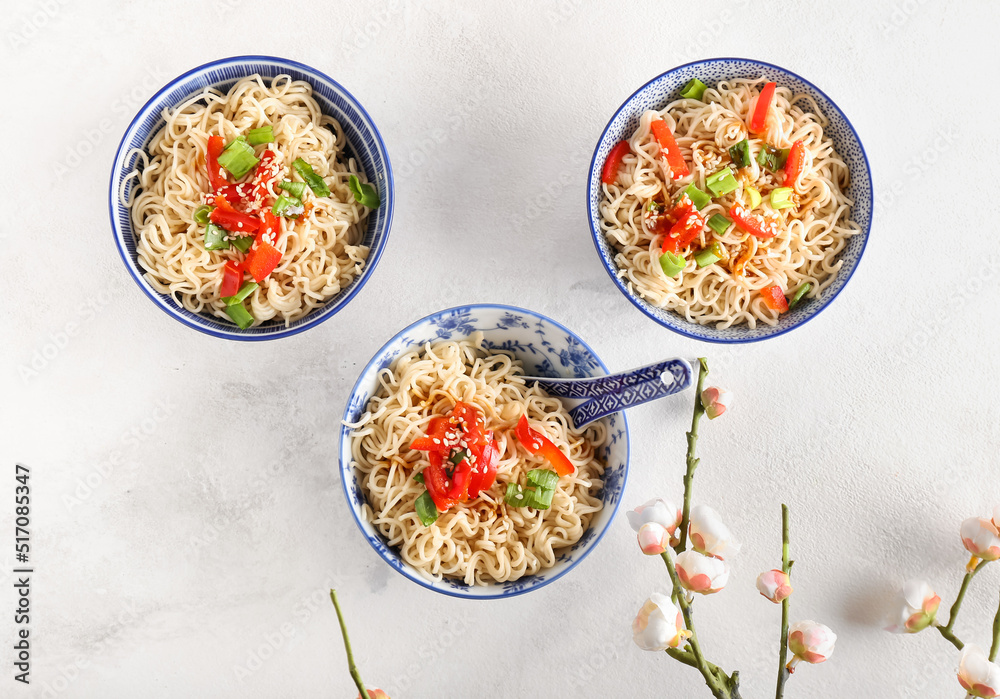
(364, 144)
(666, 88)
(546, 348)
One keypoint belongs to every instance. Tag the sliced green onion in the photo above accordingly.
(719, 223)
(698, 197)
(781, 198)
(289, 207)
(242, 242)
(516, 495)
(721, 182)
(240, 315)
(754, 197)
(543, 478)
(202, 212)
(740, 153)
(772, 158)
(654, 207)
(264, 134)
(215, 238)
(363, 193)
(458, 457)
(315, 182)
(800, 294)
(238, 157)
(296, 189)
(672, 264)
(710, 255)
(427, 511)
(418, 477)
(538, 498)
(241, 295)
(694, 89)
(541, 498)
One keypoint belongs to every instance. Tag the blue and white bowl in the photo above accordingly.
(546, 348)
(364, 144)
(662, 90)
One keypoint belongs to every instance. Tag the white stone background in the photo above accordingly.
(877, 422)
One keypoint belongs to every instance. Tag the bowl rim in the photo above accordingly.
(642, 305)
(406, 569)
(279, 331)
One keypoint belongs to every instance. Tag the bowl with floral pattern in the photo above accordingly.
(664, 89)
(546, 348)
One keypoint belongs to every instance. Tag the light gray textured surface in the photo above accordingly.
(188, 518)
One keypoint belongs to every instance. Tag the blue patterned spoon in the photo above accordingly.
(603, 395)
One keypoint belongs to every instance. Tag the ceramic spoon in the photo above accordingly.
(603, 395)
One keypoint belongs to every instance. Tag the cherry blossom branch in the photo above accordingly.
(786, 568)
(946, 630)
(995, 648)
(692, 460)
(355, 674)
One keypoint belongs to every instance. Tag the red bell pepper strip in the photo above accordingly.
(484, 472)
(759, 118)
(460, 478)
(262, 176)
(231, 192)
(774, 297)
(270, 229)
(436, 481)
(232, 220)
(470, 420)
(793, 164)
(683, 232)
(232, 277)
(678, 168)
(752, 223)
(614, 161)
(435, 430)
(261, 260)
(216, 175)
(537, 443)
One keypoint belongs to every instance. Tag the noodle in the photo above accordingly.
(811, 234)
(484, 540)
(320, 250)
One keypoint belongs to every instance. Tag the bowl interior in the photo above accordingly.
(666, 88)
(364, 144)
(547, 349)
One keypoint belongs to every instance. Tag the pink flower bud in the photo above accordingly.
(914, 609)
(981, 538)
(715, 401)
(662, 512)
(659, 624)
(774, 585)
(701, 574)
(709, 535)
(375, 693)
(810, 642)
(996, 517)
(977, 675)
(653, 538)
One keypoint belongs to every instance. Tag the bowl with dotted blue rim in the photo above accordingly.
(364, 144)
(665, 88)
(546, 348)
